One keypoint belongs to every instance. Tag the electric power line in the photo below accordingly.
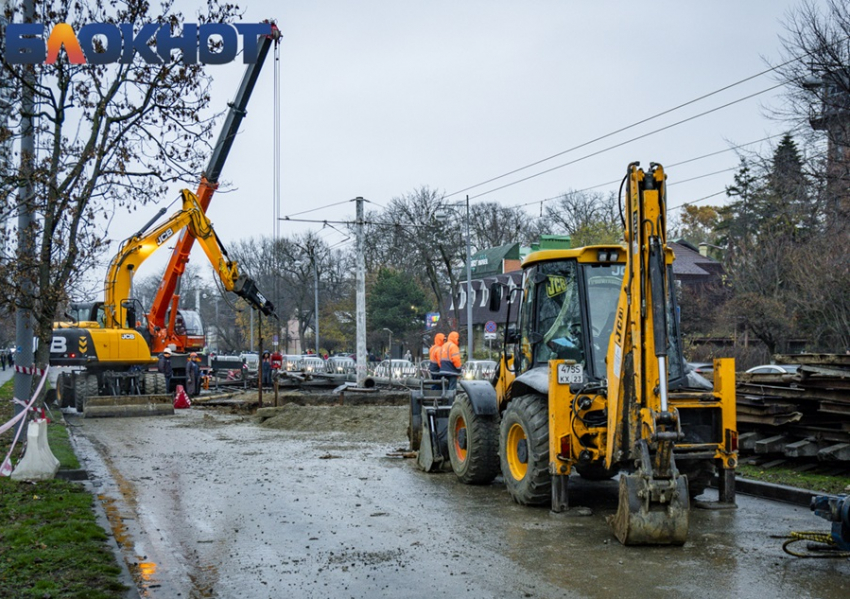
(623, 143)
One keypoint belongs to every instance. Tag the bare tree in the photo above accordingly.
(108, 137)
(588, 218)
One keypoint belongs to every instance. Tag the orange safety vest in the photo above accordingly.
(450, 358)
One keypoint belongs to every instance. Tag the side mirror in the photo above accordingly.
(495, 297)
(513, 335)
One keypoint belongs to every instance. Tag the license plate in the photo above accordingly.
(569, 374)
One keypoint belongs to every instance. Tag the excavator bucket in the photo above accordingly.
(651, 511)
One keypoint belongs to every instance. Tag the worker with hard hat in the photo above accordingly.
(450, 360)
(434, 358)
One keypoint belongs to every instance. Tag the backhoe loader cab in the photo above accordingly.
(592, 380)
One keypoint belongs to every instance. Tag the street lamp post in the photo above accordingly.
(390, 365)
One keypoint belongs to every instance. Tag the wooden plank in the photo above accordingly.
(795, 393)
(773, 444)
(803, 448)
(834, 407)
(837, 452)
(824, 371)
(813, 359)
(774, 420)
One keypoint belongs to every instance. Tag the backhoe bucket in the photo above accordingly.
(651, 511)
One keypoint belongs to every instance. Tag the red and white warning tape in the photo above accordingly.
(30, 370)
(6, 466)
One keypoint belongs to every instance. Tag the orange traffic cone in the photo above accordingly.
(181, 399)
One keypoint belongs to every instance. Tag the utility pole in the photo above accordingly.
(260, 367)
(23, 314)
(469, 294)
(360, 275)
(316, 294)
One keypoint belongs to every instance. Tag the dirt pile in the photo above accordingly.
(373, 424)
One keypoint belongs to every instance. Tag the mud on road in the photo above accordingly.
(308, 504)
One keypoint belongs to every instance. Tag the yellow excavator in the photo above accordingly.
(108, 350)
(592, 380)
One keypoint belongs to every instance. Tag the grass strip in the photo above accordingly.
(781, 475)
(50, 543)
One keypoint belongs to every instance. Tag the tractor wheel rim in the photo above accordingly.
(460, 425)
(516, 435)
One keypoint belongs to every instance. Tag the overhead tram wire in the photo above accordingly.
(668, 167)
(623, 143)
(640, 122)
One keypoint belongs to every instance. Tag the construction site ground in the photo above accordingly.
(318, 501)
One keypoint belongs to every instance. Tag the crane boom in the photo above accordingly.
(168, 292)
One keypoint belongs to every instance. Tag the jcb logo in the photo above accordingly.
(556, 286)
(164, 236)
(58, 345)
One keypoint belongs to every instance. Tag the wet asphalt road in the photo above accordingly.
(205, 504)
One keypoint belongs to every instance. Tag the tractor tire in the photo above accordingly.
(473, 443)
(595, 472)
(149, 383)
(85, 386)
(524, 450)
(64, 391)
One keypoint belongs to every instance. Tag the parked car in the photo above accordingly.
(312, 364)
(774, 369)
(702, 368)
(400, 369)
(482, 370)
(340, 365)
(424, 369)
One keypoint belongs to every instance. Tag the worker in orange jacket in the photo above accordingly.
(450, 360)
(434, 357)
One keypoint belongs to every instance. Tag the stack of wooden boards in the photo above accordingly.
(801, 414)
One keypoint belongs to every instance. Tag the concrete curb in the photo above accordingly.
(764, 490)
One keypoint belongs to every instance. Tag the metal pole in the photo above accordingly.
(390, 354)
(252, 330)
(360, 275)
(260, 368)
(469, 294)
(316, 306)
(26, 249)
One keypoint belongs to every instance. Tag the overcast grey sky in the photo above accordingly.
(381, 97)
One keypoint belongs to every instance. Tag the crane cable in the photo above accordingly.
(276, 171)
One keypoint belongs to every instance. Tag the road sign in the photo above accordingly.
(490, 326)
(489, 336)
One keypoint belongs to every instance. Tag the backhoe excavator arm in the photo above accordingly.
(654, 504)
(138, 248)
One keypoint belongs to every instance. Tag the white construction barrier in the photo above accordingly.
(38, 462)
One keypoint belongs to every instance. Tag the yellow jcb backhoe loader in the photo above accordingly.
(592, 379)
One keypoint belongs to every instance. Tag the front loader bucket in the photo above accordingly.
(651, 511)
(433, 449)
(128, 405)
